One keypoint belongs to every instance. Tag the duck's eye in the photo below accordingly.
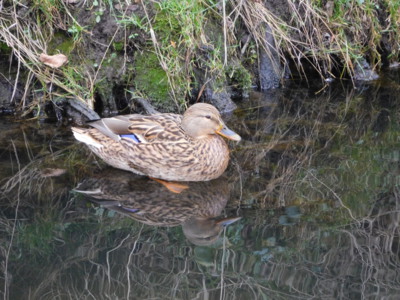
(208, 116)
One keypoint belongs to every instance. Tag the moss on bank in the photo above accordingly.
(173, 49)
(150, 78)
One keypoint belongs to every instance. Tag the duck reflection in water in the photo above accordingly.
(197, 208)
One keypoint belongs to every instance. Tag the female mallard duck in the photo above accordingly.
(165, 146)
(198, 209)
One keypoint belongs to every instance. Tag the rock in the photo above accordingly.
(270, 67)
(364, 72)
(9, 95)
(82, 109)
(221, 100)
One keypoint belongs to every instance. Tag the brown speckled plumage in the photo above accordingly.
(198, 209)
(172, 147)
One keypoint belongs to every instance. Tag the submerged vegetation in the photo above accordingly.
(316, 187)
(173, 52)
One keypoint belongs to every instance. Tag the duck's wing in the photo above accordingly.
(112, 127)
(141, 129)
(158, 128)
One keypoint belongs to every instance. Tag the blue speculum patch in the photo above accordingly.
(130, 136)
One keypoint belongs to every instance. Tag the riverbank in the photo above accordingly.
(174, 53)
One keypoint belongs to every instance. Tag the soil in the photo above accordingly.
(110, 56)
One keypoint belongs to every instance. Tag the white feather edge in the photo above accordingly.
(92, 192)
(87, 139)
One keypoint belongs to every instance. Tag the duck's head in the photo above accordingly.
(202, 119)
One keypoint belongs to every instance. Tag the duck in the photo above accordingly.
(199, 210)
(165, 146)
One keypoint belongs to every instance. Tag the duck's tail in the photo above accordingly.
(83, 135)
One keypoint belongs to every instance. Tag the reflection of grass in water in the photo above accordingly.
(146, 263)
(27, 181)
(55, 241)
(38, 179)
(303, 157)
(339, 161)
(37, 237)
(330, 158)
(153, 266)
(32, 202)
(333, 163)
(283, 148)
(317, 257)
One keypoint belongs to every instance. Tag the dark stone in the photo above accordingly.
(221, 100)
(219, 97)
(364, 72)
(83, 109)
(270, 67)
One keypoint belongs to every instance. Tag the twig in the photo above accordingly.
(225, 42)
(128, 292)
(222, 290)
(336, 196)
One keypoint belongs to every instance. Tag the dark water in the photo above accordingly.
(309, 208)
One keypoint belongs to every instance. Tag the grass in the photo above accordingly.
(332, 37)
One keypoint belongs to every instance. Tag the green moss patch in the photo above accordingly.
(151, 79)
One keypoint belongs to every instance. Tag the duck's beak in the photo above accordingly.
(227, 133)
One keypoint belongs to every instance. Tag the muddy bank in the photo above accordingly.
(174, 53)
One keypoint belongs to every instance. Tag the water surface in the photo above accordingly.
(309, 208)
